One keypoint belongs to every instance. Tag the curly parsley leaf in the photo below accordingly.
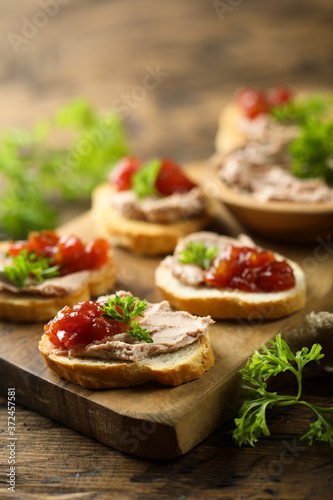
(198, 253)
(274, 359)
(28, 265)
(321, 429)
(125, 309)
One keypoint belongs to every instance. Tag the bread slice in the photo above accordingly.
(141, 237)
(29, 307)
(230, 304)
(172, 368)
(229, 135)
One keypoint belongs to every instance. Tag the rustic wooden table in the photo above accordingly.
(196, 54)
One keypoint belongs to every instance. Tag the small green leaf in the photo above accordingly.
(198, 253)
(143, 181)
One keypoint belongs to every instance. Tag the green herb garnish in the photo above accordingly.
(37, 178)
(198, 253)
(143, 181)
(28, 265)
(125, 309)
(277, 358)
(299, 111)
(312, 151)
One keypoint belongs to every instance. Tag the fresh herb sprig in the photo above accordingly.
(312, 151)
(251, 420)
(196, 252)
(143, 181)
(37, 178)
(298, 111)
(125, 309)
(29, 265)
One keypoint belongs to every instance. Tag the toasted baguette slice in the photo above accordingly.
(141, 237)
(172, 368)
(229, 304)
(28, 307)
(229, 135)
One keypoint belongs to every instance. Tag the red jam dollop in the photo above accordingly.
(123, 171)
(68, 252)
(81, 325)
(255, 102)
(250, 270)
(171, 179)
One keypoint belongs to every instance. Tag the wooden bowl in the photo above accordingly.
(279, 220)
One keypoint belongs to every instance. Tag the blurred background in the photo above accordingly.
(167, 67)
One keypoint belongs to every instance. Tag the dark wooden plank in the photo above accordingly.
(54, 460)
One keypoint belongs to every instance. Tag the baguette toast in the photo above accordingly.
(139, 236)
(172, 368)
(35, 307)
(178, 349)
(222, 303)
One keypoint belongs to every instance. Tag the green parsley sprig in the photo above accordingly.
(298, 111)
(312, 151)
(143, 181)
(28, 265)
(251, 420)
(198, 253)
(125, 309)
(37, 177)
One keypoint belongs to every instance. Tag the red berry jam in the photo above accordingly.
(255, 102)
(171, 179)
(123, 171)
(68, 252)
(279, 96)
(81, 325)
(250, 270)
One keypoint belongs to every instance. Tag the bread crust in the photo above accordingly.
(172, 368)
(225, 304)
(141, 237)
(28, 307)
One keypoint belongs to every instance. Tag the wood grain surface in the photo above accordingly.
(100, 49)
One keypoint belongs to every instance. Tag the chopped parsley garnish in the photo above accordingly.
(28, 265)
(277, 358)
(125, 309)
(198, 253)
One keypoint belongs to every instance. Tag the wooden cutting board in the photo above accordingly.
(152, 420)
